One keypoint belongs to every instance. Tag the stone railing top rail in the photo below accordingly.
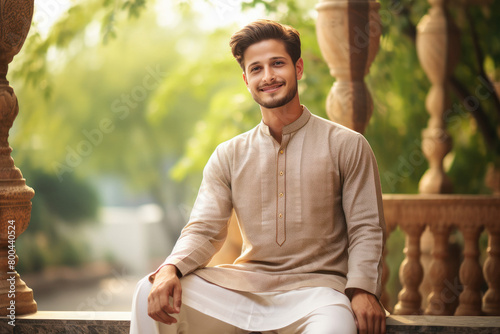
(441, 209)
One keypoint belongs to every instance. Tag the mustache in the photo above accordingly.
(277, 83)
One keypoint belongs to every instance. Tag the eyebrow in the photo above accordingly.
(272, 58)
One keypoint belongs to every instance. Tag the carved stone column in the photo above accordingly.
(439, 303)
(349, 34)
(471, 274)
(15, 196)
(410, 272)
(438, 46)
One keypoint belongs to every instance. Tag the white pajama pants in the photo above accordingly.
(336, 318)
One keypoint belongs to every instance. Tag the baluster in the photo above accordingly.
(348, 34)
(438, 48)
(439, 301)
(410, 272)
(470, 272)
(491, 299)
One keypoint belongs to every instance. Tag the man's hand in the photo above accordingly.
(166, 284)
(369, 314)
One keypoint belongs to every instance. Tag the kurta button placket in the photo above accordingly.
(281, 192)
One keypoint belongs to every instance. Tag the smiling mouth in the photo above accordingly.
(271, 89)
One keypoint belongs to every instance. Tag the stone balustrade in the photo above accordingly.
(470, 215)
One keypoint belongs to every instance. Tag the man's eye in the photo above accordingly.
(279, 62)
(253, 69)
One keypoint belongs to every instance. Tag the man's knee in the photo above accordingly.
(141, 293)
(143, 285)
(335, 319)
(140, 321)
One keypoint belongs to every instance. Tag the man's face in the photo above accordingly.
(270, 74)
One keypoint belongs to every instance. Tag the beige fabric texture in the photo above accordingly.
(309, 209)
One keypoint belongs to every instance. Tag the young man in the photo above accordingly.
(307, 196)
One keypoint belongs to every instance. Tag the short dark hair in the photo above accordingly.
(261, 30)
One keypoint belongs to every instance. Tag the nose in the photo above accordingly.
(268, 75)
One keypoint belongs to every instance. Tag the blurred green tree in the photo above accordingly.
(58, 210)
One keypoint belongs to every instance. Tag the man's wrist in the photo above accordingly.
(177, 271)
(167, 270)
(351, 292)
(170, 269)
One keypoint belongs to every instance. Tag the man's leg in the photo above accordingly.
(189, 320)
(140, 322)
(333, 319)
(192, 321)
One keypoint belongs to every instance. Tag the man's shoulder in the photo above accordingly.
(236, 147)
(242, 139)
(338, 139)
(333, 128)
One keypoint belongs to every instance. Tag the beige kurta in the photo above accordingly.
(310, 211)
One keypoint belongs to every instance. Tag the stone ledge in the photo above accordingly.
(404, 324)
(69, 323)
(119, 322)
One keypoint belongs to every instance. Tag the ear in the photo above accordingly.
(245, 78)
(299, 68)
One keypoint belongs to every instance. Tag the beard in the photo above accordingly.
(277, 102)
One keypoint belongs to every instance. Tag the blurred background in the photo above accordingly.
(123, 101)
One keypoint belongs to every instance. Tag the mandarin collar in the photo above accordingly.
(292, 127)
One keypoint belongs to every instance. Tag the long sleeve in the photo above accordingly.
(363, 209)
(206, 230)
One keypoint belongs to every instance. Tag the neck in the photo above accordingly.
(277, 118)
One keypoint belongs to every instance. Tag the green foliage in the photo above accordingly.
(134, 7)
(59, 209)
(73, 201)
(36, 251)
(32, 63)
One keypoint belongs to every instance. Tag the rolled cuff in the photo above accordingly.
(364, 284)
